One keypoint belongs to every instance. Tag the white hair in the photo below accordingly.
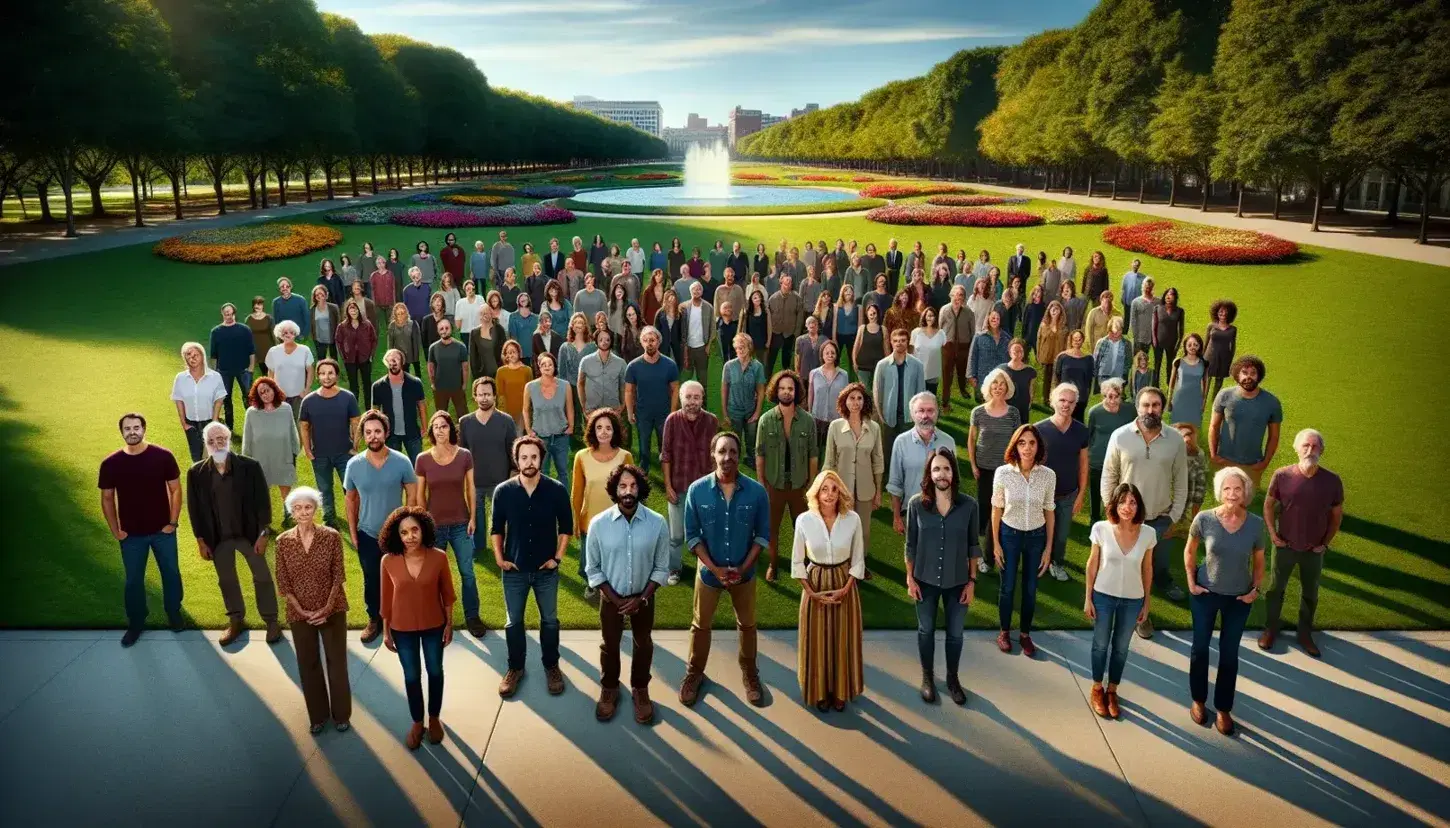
(1115, 382)
(996, 374)
(921, 396)
(1067, 387)
(1148, 280)
(1233, 471)
(414, 269)
(688, 385)
(193, 346)
(286, 325)
(477, 245)
(300, 494)
(1305, 434)
(213, 427)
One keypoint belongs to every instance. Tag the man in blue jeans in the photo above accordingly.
(1067, 442)
(328, 430)
(141, 498)
(377, 482)
(400, 396)
(651, 383)
(532, 523)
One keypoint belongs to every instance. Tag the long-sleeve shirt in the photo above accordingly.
(1132, 287)
(891, 395)
(313, 575)
(1159, 469)
(415, 298)
(786, 452)
(627, 552)
(941, 547)
(293, 309)
(787, 313)
(411, 603)
(727, 528)
(685, 447)
(987, 353)
(1110, 358)
(531, 524)
(908, 459)
(500, 258)
(815, 544)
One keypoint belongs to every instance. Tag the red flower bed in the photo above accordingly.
(860, 179)
(904, 190)
(817, 177)
(748, 176)
(1199, 243)
(1071, 215)
(650, 176)
(965, 200)
(924, 214)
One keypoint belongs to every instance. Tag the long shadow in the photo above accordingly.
(1433, 549)
(1393, 676)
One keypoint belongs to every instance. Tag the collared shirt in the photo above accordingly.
(960, 325)
(531, 524)
(685, 446)
(744, 382)
(627, 553)
(814, 544)
(908, 459)
(892, 395)
(727, 528)
(859, 461)
(787, 312)
(787, 453)
(1024, 501)
(1111, 358)
(603, 381)
(1159, 469)
(1132, 286)
(941, 547)
(198, 396)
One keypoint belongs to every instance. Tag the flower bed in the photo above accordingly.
(545, 191)
(973, 200)
(650, 176)
(925, 214)
(1071, 215)
(513, 215)
(904, 190)
(860, 179)
(844, 206)
(1199, 243)
(365, 215)
(749, 176)
(251, 243)
(474, 200)
(815, 177)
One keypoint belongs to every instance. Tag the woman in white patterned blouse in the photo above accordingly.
(1022, 492)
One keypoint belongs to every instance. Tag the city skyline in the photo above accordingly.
(828, 52)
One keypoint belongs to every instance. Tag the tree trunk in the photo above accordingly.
(373, 172)
(1142, 184)
(1278, 197)
(1114, 194)
(262, 178)
(221, 197)
(327, 172)
(1068, 173)
(352, 173)
(1173, 187)
(1392, 212)
(97, 208)
(1318, 206)
(1207, 191)
(410, 171)
(307, 180)
(1426, 195)
(176, 181)
(1239, 210)
(133, 169)
(43, 187)
(1092, 176)
(281, 184)
(1341, 196)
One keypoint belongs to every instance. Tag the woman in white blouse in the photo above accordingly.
(1119, 581)
(828, 558)
(465, 310)
(926, 345)
(1022, 503)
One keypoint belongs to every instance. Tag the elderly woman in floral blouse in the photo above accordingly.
(310, 580)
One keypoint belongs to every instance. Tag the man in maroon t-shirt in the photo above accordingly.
(141, 499)
(453, 258)
(1303, 509)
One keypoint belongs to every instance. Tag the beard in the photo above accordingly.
(1248, 384)
(1152, 422)
(942, 485)
(395, 369)
(529, 471)
(376, 445)
(628, 502)
(486, 405)
(134, 439)
(925, 422)
(786, 400)
(692, 410)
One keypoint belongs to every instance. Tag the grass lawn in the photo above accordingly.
(88, 337)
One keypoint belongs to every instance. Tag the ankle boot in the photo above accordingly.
(928, 686)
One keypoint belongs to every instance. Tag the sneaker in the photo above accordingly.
(510, 684)
(674, 579)
(1058, 572)
(1175, 592)
(1028, 648)
(1145, 629)
(982, 566)
(690, 688)
(371, 632)
(554, 678)
(130, 637)
(1004, 641)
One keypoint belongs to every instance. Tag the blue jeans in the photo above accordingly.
(135, 551)
(746, 432)
(1206, 609)
(647, 425)
(481, 539)
(544, 583)
(411, 446)
(1113, 631)
(431, 644)
(456, 535)
(243, 380)
(1162, 577)
(556, 448)
(322, 468)
(1026, 548)
(370, 559)
(951, 600)
(1062, 525)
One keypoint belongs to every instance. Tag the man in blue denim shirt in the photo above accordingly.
(726, 524)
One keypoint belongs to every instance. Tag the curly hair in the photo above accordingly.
(928, 489)
(390, 538)
(526, 440)
(611, 486)
(868, 405)
(255, 400)
(772, 389)
(1247, 361)
(592, 439)
(1223, 304)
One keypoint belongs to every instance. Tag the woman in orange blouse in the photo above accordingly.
(310, 580)
(417, 610)
(513, 378)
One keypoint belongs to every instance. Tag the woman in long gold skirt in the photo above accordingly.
(828, 558)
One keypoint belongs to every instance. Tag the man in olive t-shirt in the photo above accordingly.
(448, 370)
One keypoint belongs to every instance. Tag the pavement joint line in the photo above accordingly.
(482, 760)
(47, 682)
(1097, 721)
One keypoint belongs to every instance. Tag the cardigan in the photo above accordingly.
(248, 484)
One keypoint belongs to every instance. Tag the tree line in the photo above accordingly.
(248, 89)
(1270, 94)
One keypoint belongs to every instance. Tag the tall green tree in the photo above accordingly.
(1184, 127)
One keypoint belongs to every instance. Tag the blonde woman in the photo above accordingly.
(1051, 341)
(405, 336)
(828, 558)
(992, 425)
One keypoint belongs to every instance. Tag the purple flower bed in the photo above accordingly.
(546, 191)
(513, 215)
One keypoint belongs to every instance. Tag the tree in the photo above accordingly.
(1182, 133)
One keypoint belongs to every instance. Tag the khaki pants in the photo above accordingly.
(441, 399)
(224, 558)
(707, 598)
(780, 501)
(327, 692)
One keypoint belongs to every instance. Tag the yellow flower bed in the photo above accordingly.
(252, 243)
(472, 200)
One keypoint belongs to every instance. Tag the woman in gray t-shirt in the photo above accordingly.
(1226, 584)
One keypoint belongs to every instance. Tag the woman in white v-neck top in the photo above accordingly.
(1119, 582)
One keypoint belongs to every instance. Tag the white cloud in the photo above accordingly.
(507, 8)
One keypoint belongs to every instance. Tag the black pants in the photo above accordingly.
(361, 391)
(984, 500)
(243, 381)
(1095, 484)
(1160, 354)
(326, 350)
(195, 442)
(778, 343)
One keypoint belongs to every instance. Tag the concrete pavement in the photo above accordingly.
(179, 731)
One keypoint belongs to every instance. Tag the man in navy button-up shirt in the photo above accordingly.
(726, 524)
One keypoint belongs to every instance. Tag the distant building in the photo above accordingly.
(796, 113)
(680, 140)
(647, 116)
(696, 122)
(745, 122)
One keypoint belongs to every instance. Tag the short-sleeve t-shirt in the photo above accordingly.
(1063, 449)
(142, 504)
(448, 359)
(1245, 421)
(380, 490)
(651, 384)
(328, 420)
(290, 369)
(1305, 505)
(993, 435)
(445, 486)
(1227, 567)
(743, 381)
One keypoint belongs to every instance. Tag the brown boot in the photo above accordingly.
(476, 627)
(1266, 638)
(234, 631)
(1114, 711)
(554, 678)
(435, 730)
(415, 736)
(1199, 713)
(510, 684)
(1098, 701)
(1307, 642)
(274, 631)
(608, 702)
(1224, 724)
(371, 631)
(690, 688)
(753, 692)
(644, 709)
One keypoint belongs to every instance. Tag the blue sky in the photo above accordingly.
(707, 56)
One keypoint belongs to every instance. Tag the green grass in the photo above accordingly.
(107, 341)
(582, 202)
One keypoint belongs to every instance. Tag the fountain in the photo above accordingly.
(707, 172)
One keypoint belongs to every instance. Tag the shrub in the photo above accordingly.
(924, 214)
(864, 178)
(750, 176)
(650, 176)
(364, 215)
(904, 190)
(1200, 243)
(513, 215)
(250, 243)
(815, 177)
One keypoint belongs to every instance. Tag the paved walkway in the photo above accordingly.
(1358, 239)
(177, 731)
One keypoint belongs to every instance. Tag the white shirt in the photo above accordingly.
(1120, 573)
(198, 396)
(635, 257)
(290, 370)
(1024, 501)
(696, 336)
(465, 313)
(928, 350)
(815, 545)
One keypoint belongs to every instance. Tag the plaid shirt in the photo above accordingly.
(686, 447)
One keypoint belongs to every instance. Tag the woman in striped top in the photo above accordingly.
(992, 426)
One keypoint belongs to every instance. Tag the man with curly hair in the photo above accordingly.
(1242, 416)
(785, 454)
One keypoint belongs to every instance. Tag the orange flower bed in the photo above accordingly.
(747, 176)
(1200, 243)
(254, 243)
(905, 190)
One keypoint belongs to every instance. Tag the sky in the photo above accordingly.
(708, 56)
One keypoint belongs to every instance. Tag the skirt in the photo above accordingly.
(829, 658)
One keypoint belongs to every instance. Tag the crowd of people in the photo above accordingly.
(832, 403)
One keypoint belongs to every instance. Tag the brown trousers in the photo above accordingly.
(327, 692)
(700, 365)
(441, 399)
(707, 598)
(224, 558)
(641, 625)
(954, 364)
(780, 501)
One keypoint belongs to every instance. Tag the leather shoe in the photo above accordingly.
(644, 709)
(274, 632)
(510, 684)
(371, 631)
(1099, 701)
(1199, 713)
(1224, 723)
(1267, 637)
(1114, 711)
(608, 702)
(554, 679)
(234, 631)
(955, 689)
(130, 637)
(435, 730)
(1145, 629)
(476, 627)
(753, 692)
(1307, 642)
(1028, 648)
(1004, 642)
(415, 736)
(177, 622)
(928, 687)
(690, 688)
